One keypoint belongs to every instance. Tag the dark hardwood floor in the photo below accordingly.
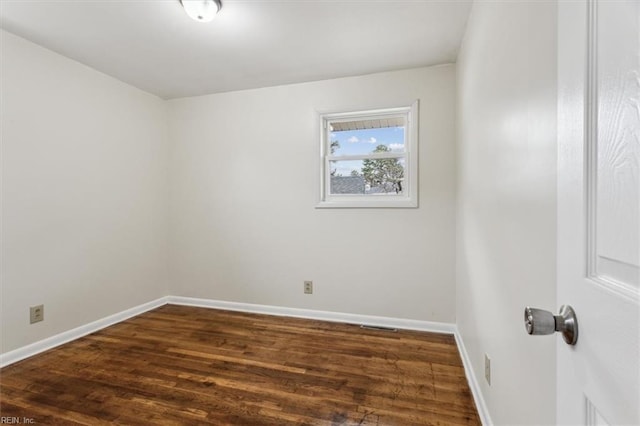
(180, 365)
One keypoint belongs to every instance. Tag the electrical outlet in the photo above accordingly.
(487, 368)
(36, 313)
(308, 287)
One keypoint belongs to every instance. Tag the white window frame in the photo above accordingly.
(409, 197)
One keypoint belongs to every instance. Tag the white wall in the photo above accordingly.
(244, 181)
(506, 203)
(84, 194)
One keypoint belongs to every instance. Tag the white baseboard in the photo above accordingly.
(481, 405)
(400, 323)
(67, 336)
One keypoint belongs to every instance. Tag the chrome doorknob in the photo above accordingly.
(539, 322)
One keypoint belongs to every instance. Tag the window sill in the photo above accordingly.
(368, 204)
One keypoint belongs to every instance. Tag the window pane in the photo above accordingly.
(369, 158)
(368, 177)
(366, 136)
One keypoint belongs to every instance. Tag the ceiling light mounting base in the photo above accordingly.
(201, 10)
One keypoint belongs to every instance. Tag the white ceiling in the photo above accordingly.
(153, 45)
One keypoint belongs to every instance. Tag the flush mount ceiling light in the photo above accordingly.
(201, 10)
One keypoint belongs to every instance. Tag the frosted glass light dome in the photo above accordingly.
(201, 10)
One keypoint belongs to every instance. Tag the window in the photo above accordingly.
(370, 158)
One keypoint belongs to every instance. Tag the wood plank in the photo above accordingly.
(184, 365)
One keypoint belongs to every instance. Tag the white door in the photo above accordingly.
(599, 210)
